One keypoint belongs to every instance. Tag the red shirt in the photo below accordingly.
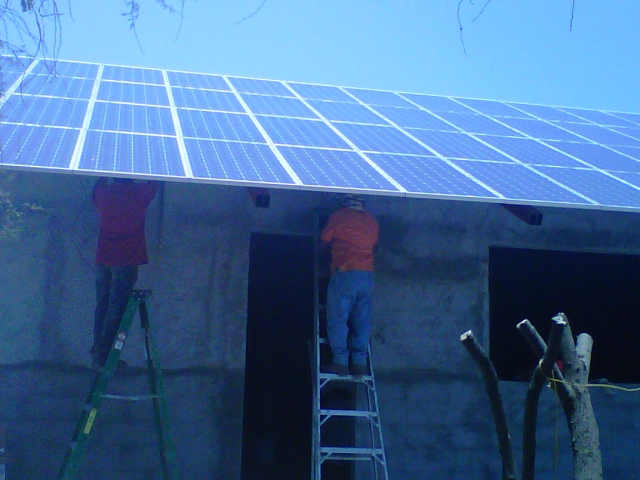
(123, 207)
(353, 235)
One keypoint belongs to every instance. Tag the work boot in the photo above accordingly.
(336, 369)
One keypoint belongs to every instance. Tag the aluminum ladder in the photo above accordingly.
(347, 438)
(78, 444)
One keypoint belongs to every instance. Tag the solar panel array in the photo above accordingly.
(115, 120)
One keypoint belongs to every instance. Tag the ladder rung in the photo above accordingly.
(348, 413)
(350, 453)
(133, 398)
(344, 378)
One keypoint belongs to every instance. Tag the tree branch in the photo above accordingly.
(490, 378)
(542, 371)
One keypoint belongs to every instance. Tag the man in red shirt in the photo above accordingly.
(121, 249)
(353, 235)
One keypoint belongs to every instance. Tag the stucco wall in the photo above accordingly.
(431, 287)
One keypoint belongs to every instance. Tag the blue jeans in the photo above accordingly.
(349, 299)
(113, 289)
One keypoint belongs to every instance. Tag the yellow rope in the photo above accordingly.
(600, 385)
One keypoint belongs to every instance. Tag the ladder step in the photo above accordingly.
(348, 413)
(350, 453)
(133, 398)
(345, 378)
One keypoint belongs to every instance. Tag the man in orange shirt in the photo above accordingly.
(353, 235)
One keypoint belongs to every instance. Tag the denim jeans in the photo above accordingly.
(348, 315)
(113, 289)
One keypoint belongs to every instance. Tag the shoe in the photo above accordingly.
(358, 370)
(336, 369)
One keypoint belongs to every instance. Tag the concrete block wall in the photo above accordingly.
(431, 287)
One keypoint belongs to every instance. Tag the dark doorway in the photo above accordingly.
(276, 436)
(598, 293)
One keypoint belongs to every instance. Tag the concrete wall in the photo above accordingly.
(431, 287)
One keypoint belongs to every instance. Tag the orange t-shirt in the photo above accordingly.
(353, 235)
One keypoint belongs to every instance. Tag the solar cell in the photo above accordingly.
(320, 92)
(131, 153)
(597, 186)
(599, 156)
(334, 168)
(218, 126)
(546, 113)
(37, 146)
(531, 152)
(477, 124)
(293, 131)
(457, 145)
(631, 132)
(632, 178)
(374, 138)
(235, 161)
(206, 100)
(632, 117)
(422, 174)
(263, 87)
(602, 118)
(375, 97)
(131, 74)
(601, 135)
(435, 103)
(67, 87)
(539, 130)
(411, 117)
(347, 112)
(489, 107)
(632, 152)
(125, 117)
(197, 80)
(283, 106)
(62, 112)
(517, 182)
(133, 93)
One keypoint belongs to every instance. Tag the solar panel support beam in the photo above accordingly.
(260, 197)
(529, 215)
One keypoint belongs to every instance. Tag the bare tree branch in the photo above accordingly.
(490, 377)
(253, 13)
(573, 9)
(538, 380)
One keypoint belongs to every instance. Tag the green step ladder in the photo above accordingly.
(98, 393)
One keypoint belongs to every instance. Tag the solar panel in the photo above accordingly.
(335, 168)
(283, 106)
(65, 87)
(347, 112)
(151, 123)
(133, 93)
(123, 117)
(321, 92)
(129, 153)
(602, 135)
(532, 152)
(206, 100)
(235, 161)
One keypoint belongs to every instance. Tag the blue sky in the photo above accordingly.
(516, 50)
